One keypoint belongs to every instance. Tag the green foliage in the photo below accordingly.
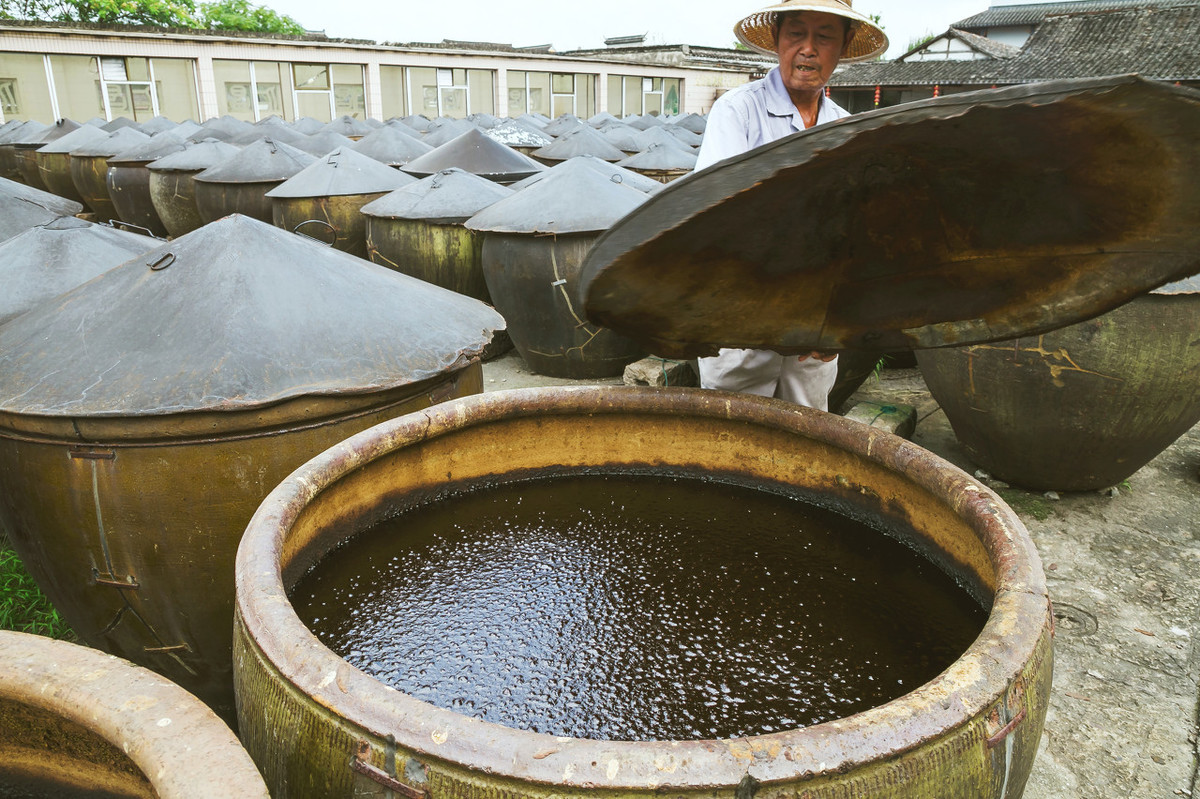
(923, 39)
(240, 15)
(23, 607)
(50, 10)
(220, 15)
(162, 13)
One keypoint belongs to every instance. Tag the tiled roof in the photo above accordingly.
(1032, 14)
(981, 44)
(680, 53)
(985, 45)
(478, 47)
(1161, 43)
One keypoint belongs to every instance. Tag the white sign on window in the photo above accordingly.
(113, 69)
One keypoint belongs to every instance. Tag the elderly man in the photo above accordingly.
(809, 38)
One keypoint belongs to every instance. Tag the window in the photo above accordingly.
(451, 92)
(672, 95)
(628, 95)
(552, 94)
(349, 94)
(423, 91)
(481, 84)
(311, 77)
(313, 97)
(272, 91)
(79, 88)
(175, 88)
(253, 90)
(24, 90)
(392, 87)
(126, 88)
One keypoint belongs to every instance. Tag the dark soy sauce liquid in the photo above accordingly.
(638, 608)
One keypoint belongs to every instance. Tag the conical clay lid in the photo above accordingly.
(196, 157)
(263, 161)
(476, 153)
(235, 315)
(574, 199)
(51, 259)
(341, 173)
(448, 197)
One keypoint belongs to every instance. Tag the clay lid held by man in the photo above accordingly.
(897, 229)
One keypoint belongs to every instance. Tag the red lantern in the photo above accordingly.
(878, 91)
(937, 91)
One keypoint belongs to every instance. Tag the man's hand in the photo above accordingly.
(823, 357)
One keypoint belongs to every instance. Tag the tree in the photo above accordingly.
(163, 13)
(240, 15)
(218, 15)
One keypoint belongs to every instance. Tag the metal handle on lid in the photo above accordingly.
(117, 223)
(162, 263)
(332, 229)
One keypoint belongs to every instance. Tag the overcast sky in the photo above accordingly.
(570, 24)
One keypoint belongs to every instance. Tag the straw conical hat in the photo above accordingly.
(757, 31)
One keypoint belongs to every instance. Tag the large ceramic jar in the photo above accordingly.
(1079, 408)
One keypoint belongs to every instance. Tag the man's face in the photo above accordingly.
(810, 44)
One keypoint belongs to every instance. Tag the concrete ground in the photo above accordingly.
(1124, 575)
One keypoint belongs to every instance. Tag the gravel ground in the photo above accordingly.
(1124, 574)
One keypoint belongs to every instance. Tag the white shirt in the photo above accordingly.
(753, 115)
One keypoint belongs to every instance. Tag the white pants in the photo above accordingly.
(769, 374)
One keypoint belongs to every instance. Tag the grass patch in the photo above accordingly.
(1026, 504)
(23, 607)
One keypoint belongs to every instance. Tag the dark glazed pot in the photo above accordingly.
(332, 191)
(89, 169)
(1079, 408)
(129, 181)
(32, 139)
(240, 184)
(533, 249)
(54, 160)
(418, 230)
(9, 168)
(172, 190)
(320, 728)
(531, 280)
